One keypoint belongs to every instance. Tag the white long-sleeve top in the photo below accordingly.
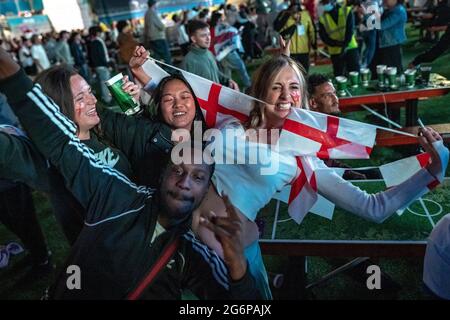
(249, 190)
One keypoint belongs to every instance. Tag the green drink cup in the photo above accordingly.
(425, 72)
(354, 79)
(341, 83)
(410, 78)
(391, 73)
(365, 76)
(126, 102)
(380, 73)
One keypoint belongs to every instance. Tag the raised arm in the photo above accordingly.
(135, 136)
(380, 206)
(91, 182)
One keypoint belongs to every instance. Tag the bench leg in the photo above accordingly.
(411, 113)
(295, 280)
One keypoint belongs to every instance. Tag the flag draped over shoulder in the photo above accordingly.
(305, 133)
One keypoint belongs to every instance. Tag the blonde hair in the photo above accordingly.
(262, 80)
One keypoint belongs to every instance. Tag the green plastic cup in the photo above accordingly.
(126, 102)
(425, 72)
(341, 83)
(391, 73)
(354, 79)
(380, 74)
(410, 78)
(365, 76)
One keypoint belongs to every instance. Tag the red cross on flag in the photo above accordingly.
(312, 133)
(399, 171)
(303, 193)
(219, 103)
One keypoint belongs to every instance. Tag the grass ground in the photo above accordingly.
(406, 272)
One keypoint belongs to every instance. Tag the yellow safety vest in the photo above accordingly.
(300, 44)
(337, 32)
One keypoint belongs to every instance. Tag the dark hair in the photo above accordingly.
(62, 33)
(215, 17)
(55, 82)
(315, 80)
(34, 37)
(122, 24)
(195, 25)
(157, 95)
(94, 31)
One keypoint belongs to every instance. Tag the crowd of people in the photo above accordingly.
(111, 179)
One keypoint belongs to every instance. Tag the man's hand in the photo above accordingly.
(228, 231)
(233, 85)
(8, 66)
(285, 47)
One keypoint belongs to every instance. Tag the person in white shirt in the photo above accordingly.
(38, 53)
(26, 59)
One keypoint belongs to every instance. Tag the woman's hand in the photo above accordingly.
(131, 88)
(140, 55)
(426, 138)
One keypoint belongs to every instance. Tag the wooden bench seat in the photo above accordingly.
(389, 139)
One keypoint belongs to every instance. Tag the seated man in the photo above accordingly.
(323, 99)
(131, 233)
(436, 268)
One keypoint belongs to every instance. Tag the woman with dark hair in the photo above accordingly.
(74, 96)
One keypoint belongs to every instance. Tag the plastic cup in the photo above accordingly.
(126, 102)
(365, 76)
(391, 73)
(380, 74)
(425, 72)
(341, 83)
(410, 78)
(354, 79)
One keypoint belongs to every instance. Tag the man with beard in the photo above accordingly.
(136, 242)
(322, 95)
(323, 99)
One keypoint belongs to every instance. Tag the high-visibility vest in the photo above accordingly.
(337, 32)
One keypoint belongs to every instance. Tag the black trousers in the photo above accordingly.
(303, 59)
(18, 214)
(391, 57)
(345, 63)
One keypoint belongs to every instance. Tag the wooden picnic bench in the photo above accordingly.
(390, 139)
